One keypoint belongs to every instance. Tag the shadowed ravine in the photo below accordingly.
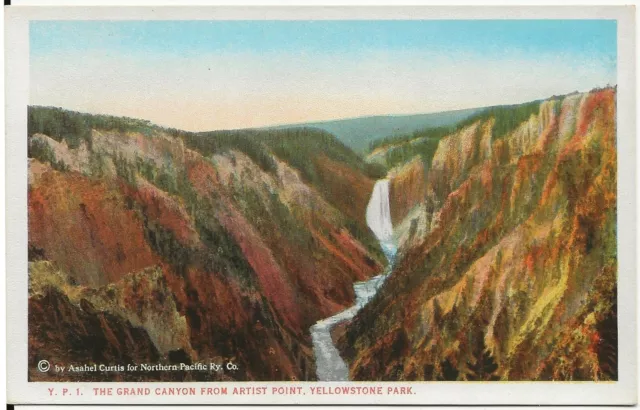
(329, 365)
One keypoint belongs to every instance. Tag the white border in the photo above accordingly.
(17, 52)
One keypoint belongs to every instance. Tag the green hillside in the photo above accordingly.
(358, 133)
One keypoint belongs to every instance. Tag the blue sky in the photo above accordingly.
(179, 37)
(320, 69)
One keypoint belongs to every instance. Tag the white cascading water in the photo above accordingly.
(379, 218)
(329, 364)
(379, 212)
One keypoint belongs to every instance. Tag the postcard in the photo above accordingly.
(347, 205)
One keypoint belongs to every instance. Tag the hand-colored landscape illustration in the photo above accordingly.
(269, 196)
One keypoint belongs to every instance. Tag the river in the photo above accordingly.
(329, 365)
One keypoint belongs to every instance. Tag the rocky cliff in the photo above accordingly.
(157, 246)
(507, 267)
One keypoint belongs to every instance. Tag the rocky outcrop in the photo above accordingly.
(66, 334)
(406, 189)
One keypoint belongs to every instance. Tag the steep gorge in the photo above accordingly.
(196, 249)
(507, 262)
(236, 245)
(329, 365)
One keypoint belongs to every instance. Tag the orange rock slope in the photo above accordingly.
(144, 249)
(507, 267)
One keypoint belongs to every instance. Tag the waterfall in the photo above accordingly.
(379, 218)
(378, 211)
(329, 364)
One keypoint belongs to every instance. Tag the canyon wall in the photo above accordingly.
(507, 267)
(146, 245)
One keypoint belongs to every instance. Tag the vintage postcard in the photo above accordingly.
(321, 205)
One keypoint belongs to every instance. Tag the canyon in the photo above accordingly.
(329, 364)
(146, 247)
(506, 267)
(483, 250)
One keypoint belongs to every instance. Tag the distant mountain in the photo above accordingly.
(357, 133)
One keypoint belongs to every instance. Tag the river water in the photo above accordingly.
(329, 365)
